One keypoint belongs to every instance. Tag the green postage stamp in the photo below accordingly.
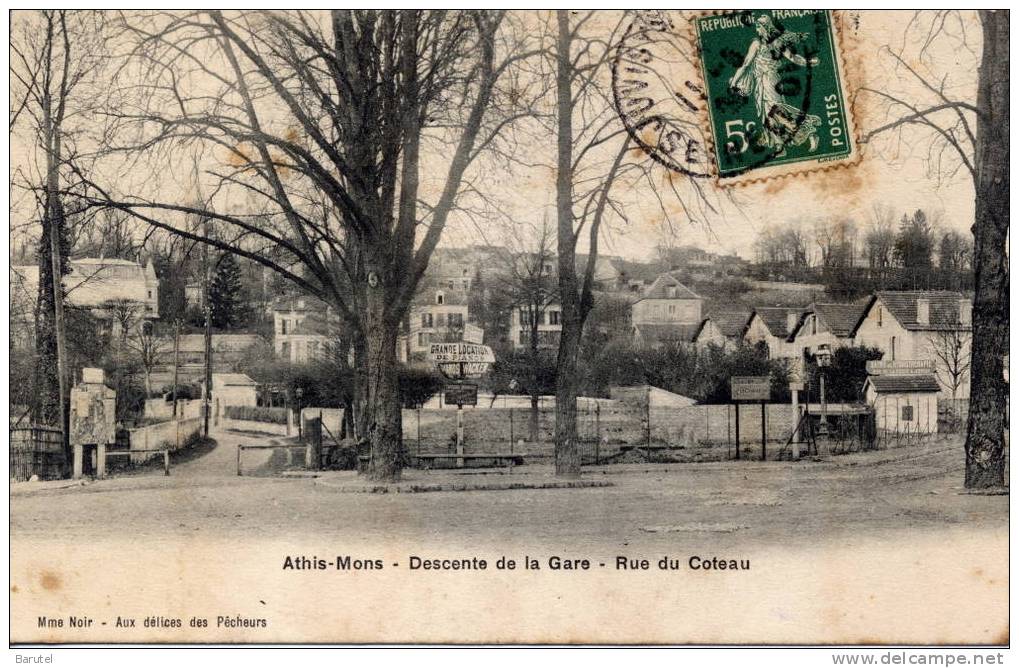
(776, 92)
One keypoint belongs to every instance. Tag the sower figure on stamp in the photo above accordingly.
(758, 78)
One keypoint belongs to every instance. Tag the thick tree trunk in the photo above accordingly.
(567, 456)
(985, 434)
(383, 412)
(567, 452)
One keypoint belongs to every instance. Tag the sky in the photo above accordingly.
(895, 171)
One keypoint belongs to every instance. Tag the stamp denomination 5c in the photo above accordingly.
(776, 93)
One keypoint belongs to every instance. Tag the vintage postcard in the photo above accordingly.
(512, 327)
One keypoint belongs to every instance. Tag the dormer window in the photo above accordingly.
(671, 291)
(440, 298)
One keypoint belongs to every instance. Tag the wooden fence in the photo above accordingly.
(36, 450)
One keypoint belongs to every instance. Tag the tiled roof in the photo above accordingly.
(776, 319)
(944, 308)
(904, 384)
(667, 333)
(841, 319)
(731, 324)
(660, 289)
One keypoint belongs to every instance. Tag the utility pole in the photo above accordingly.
(176, 361)
(207, 401)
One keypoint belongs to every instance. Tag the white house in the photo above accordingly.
(437, 314)
(232, 389)
(303, 328)
(667, 301)
(550, 326)
(111, 289)
(904, 403)
(830, 324)
(922, 325)
(772, 326)
(724, 329)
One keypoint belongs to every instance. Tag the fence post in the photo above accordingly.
(511, 430)
(166, 461)
(239, 448)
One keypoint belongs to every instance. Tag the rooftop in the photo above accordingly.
(944, 308)
(904, 384)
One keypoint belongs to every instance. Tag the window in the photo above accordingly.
(525, 315)
(672, 309)
(424, 338)
(671, 291)
(440, 298)
(312, 349)
(907, 413)
(426, 319)
(150, 294)
(813, 324)
(285, 350)
(879, 316)
(283, 326)
(893, 349)
(456, 319)
(440, 320)
(553, 317)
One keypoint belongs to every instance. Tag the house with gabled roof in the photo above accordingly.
(667, 301)
(771, 326)
(824, 323)
(723, 329)
(930, 325)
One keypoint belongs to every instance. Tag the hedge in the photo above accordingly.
(272, 414)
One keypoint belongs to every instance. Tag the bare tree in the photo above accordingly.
(879, 239)
(972, 137)
(594, 155)
(527, 282)
(126, 316)
(951, 350)
(55, 54)
(148, 348)
(290, 110)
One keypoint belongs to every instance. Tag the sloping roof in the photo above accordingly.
(904, 384)
(944, 308)
(776, 319)
(667, 333)
(232, 379)
(841, 319)
(731, 323)
(660, 289)
(94, 281)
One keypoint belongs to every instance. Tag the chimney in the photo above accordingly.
(965, 312)
(790, 321)
(923, 311)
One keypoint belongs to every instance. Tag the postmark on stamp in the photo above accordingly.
(775, 93)
(657, 92)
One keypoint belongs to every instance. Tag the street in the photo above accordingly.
(727, 503)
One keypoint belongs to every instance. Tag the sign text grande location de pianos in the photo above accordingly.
(461, 360)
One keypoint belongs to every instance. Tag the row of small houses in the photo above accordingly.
(926, 326)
